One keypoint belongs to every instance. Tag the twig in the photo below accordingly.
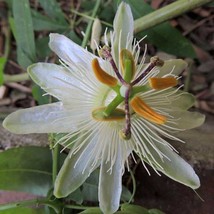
(197, 25)
(19, 87)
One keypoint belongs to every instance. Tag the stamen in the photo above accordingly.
(154, 61)
(162, 83)
(99, 114)
(101, 75)
(105, 52)
(141, 108)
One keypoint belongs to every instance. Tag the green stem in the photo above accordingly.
(139, 89)
(78, 207)
(7, 43)
(90, 18)
(37, 201)
(16, 77)
(113, 105)
(7, 33)
(55, 158)
(170, 11)
(88, 29)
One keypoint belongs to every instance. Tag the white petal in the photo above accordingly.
(187, 119)
(110, 185)
(51, 118)
(68, 51)
(75, 171)
(123, 28)
(184, 101)
(174, 65)
(175, 168)
(54, 79)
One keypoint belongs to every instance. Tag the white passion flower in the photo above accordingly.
(110, 107)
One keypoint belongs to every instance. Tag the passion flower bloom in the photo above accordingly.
(111, 107)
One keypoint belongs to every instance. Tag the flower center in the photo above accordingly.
(126, 90)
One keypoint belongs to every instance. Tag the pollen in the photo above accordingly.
(162, 83)
(142, 109)
(116, 115)
(101, 75)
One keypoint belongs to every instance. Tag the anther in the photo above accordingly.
(154, 61)
(101, 75)
(162, 83)
(157, 61)
(142, 109)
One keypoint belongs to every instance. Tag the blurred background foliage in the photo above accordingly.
(24, 35)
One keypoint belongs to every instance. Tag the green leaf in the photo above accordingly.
(164, 36)
(27, 169)
(38, 95)
(90, 187)
(155, 211)
(92, 211)
(41, 22)
(134, 209)
(53, 10)
(42, 48)
(23, 210)
(24, 33)
(3, 61)
(126, 194)
(9, 3)
(76, 196)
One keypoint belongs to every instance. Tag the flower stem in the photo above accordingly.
(55, 158)
(89, 27)
(134, 186)
(170, 11)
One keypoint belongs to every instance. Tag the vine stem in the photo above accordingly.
(163, 14)
(89, 27)
(134, 186)
(90, 18)
(37, 201)
(16, 77)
